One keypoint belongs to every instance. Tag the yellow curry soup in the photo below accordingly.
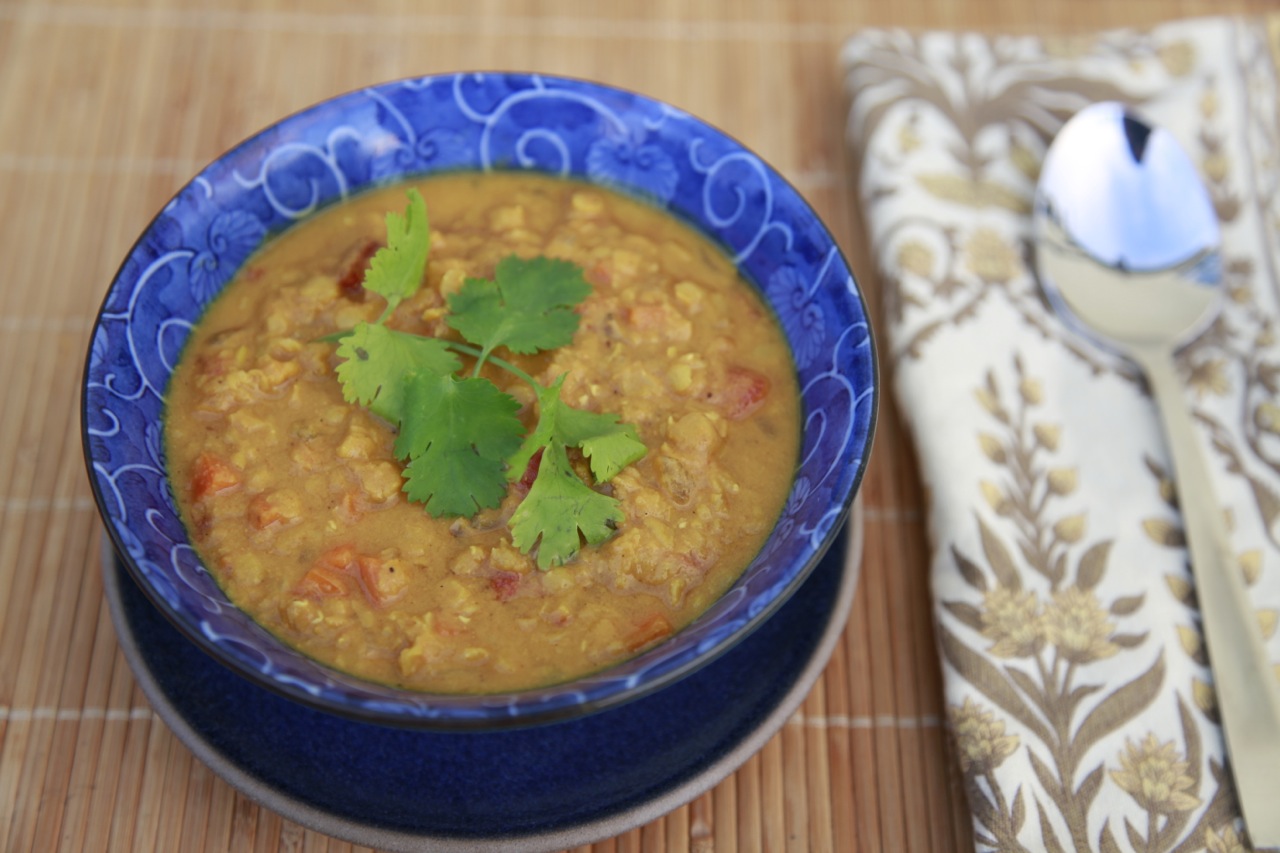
(294, 498)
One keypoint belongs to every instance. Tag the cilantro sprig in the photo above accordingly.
(459, 435)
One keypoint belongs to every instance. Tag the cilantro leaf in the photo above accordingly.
(608, 445)
(395, 272)
(457, 435)
(460, 438)
(375, 360)
(541, 434)
(561, 511)
(528, 307)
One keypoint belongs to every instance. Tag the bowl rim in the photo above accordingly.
(497, 708)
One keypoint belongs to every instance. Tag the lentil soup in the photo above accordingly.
(294, 498)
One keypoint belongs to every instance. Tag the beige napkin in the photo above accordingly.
(1080, 705)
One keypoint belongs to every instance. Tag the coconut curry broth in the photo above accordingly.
(293, 496)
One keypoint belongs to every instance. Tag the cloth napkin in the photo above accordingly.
(1079, 701)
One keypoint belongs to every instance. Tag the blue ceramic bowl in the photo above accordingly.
(410, 128)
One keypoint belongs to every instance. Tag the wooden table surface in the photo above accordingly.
(107, 107)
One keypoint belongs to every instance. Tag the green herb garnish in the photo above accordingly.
(459, 436)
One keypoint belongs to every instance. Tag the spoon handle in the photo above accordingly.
(1248, 693)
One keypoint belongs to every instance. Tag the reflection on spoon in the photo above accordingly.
(1127, 251)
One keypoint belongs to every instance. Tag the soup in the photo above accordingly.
(295, 498)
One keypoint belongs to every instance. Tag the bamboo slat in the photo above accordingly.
(108, 106)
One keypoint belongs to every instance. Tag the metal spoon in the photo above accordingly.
(1127, 249)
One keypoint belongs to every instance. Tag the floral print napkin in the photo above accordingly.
(1079, 699)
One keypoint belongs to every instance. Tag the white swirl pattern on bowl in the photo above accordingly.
(477, 121)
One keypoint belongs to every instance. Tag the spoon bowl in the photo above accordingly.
(1127, 248)
(1128, 236)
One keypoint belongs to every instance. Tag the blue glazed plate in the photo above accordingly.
(550, 787)
(411, 128)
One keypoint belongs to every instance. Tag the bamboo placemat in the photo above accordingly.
(107, 108)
